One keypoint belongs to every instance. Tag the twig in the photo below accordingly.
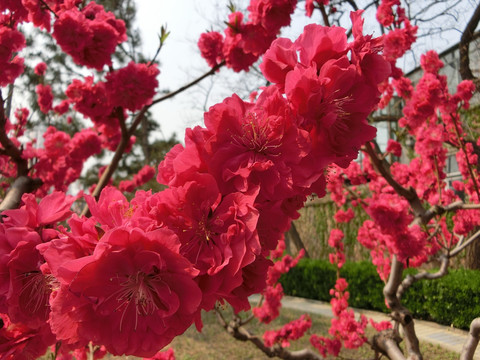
(190, 84)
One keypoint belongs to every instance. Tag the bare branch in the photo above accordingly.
(236, 330)
(399, 313)
(439, 210)
(387, 342)
(410, 279)
(190, 84)
(463, 245)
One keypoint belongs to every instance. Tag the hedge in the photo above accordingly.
(451, 300)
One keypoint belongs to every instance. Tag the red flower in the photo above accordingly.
(278, 61)
(40, 68)
(19, 342)
(257, 144)
(217, 234)
(89, 98)
(89, 36)
(11, 66)
(44, 97)
(210, 45)
(133, 86)
(394, 147)
(271, 14)
(133, 295)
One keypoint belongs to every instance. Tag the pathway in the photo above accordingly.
(447, 337)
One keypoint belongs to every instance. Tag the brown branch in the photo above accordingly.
(190, 84)
(387, 342)
(399, 313)
(117, 156)
(236, 330)
(471, 344)
(21, 185)
(410, 279)
(463, 245)
(439, 210)
(467, 37)
(326, 22)
(382, 118)
(383, 168)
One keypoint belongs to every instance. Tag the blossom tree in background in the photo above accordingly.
(126, 276)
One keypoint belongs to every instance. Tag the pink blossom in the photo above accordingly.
(133, 86)
(210, 45)
(344, 216)
(40, 69)
(44, 97)
(430, 62)
(163, 355)
(90, 36)
(394, 147)
(291, 331)
(134, 294)
(89, 98)
(12, 41)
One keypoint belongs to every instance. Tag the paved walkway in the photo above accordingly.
(447, 337)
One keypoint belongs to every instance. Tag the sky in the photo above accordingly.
(180, 60)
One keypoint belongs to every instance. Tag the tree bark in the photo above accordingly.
(467, 36)
(472, 342)
(293, 241)
(21, 185)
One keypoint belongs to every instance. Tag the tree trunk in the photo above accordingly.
(293, 241)
(472, 256)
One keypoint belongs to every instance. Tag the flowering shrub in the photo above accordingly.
(127, 276)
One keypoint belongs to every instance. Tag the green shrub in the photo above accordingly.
(310, 279)
(364, 286)
(451, 300)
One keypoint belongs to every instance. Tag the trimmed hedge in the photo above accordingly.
(451, 300)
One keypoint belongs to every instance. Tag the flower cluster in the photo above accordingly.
(90, 35)
(246, 41)
(135, 274)
(143, 176)
(291, 331)
(11, 65)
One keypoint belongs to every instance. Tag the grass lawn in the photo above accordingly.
(213, 343)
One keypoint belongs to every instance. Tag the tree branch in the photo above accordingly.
(21, 185)
(410, 279)
(190, 84)
(387, 342)
(399, 313)
(464, 46)
(383, 168)
(462, 246)
(239, 332)
(471, 344)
